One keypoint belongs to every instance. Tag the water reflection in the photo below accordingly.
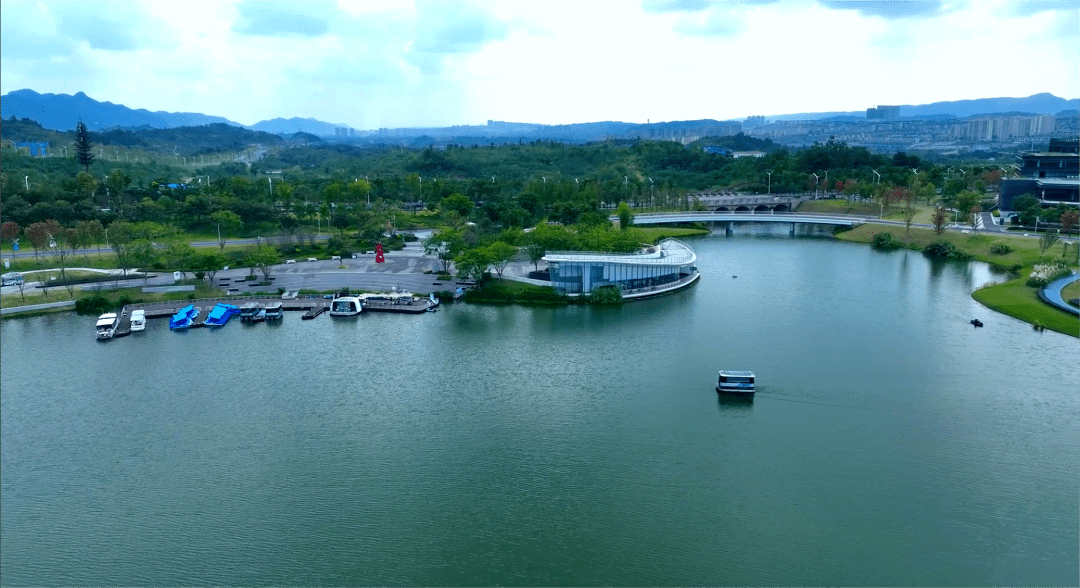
(734, 403)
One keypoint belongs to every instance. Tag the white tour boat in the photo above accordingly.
(346, 306)
(138, 320)
(106, 325)
(735, 382)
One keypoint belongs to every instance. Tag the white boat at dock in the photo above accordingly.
(106, 324)
(346, 306)
(138, 320)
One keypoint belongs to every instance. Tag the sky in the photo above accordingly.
(375, 63)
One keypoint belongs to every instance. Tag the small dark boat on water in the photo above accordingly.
(976, 322)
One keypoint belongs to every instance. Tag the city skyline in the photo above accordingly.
(392, 64)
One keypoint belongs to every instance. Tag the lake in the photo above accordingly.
(889, 443)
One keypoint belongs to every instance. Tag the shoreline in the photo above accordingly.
(1011, 297)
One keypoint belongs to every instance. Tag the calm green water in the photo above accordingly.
(890, 442)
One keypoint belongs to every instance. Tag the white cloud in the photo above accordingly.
(390, 63)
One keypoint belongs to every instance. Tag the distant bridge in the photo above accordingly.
(730, 217)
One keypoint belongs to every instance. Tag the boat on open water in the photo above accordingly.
(735, 382)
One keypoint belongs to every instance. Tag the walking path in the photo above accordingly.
(1052, 293)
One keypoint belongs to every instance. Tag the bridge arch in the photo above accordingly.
(742, 209)
(782, 208)
(761, 208)
(723, 209)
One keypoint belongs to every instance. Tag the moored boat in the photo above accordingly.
(105, 327)
(345, 306)
(220, 314)
(735, 382)
(273, 311)
(249, 311)
(138, 320)
(184, 317)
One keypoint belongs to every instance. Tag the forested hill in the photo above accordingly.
(205, 139)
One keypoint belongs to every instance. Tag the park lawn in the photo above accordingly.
(1018, 300)
(923, 213)
(1071, 291)
(1025, 250)
(135, 294)
(656, 234)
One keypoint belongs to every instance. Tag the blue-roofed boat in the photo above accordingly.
(220, 314)
(183, 317)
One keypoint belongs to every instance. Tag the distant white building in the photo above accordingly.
(739, 154)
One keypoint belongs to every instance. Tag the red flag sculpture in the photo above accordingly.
(378, 253)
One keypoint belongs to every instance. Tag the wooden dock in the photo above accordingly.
(169, 308)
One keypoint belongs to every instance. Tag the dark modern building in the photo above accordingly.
(1052, 176)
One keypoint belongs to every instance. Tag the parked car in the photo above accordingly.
(312, 259)
(336, 258)
(290, 261)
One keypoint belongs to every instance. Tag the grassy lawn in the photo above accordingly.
(1017, 300)
(1071, 291)
(655, 234)
(923, 213)
(1025, 251)
(135, 294)
(1013, 298)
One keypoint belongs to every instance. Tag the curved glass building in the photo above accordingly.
(660, 268)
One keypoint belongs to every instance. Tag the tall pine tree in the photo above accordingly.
(84, 149)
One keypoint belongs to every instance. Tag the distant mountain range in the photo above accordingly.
(63, 111)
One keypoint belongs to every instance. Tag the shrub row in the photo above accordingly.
(945, 250)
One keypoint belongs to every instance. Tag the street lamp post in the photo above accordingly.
(27, 181)
(826, 184)
(769, 173)
(815, 184)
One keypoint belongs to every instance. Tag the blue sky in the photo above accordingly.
(378, 63)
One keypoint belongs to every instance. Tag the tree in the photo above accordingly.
(1069, 219)
(626, 215)
(38, 235)
(121, 236)
(1048, 239)
(500, 255)
(458, 203)
(62, 247)
(179, 256)
(89, 233)
(87, 184)
(445, 245)
(9, 231)
(908, 214)
(973, 218)
(84, 149)
(143, 255)
(263, 258)
(210, 263)
(940, 219)
(965, 201)
(473, 263)
(227, 222)
(535, 248)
